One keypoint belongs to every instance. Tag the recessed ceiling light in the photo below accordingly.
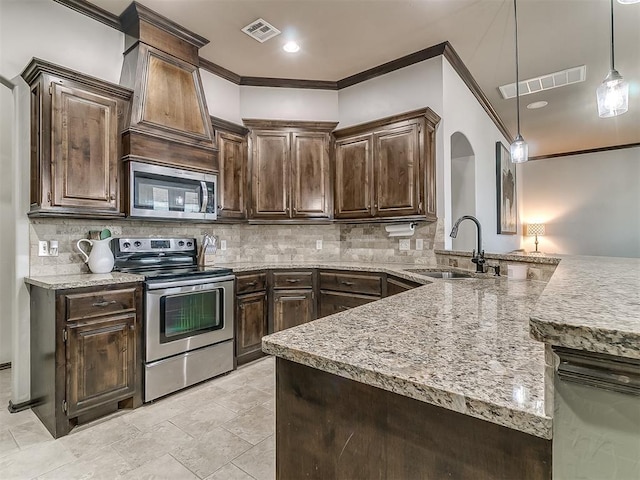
(291, 47)
(535, 105)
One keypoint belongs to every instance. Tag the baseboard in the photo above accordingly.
(18, 407)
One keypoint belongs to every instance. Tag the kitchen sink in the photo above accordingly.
(436, 274)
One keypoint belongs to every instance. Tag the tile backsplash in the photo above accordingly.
(245, 243)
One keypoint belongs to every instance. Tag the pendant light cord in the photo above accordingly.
(515, 12)
(612, 49)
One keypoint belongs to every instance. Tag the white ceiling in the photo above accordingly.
(339, 38)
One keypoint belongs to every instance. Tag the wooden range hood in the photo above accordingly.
(169, 123)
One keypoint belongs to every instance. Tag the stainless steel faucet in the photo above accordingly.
(478, 259)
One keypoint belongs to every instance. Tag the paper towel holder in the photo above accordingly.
(401, 229)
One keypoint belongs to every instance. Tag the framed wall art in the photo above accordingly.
(507, 195)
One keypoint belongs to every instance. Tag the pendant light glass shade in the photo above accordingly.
(613, 95)
(519, 150)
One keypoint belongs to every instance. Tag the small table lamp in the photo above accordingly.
(535, 229)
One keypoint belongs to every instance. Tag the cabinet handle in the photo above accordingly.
(375, 205)
(286, 210)
(132, 327)
(104, 303)
(294, 298)
(293, 280)
(348, 284)
(219, 207)
(242, 306)
(342, 307)
(252, 284)
(113, 196)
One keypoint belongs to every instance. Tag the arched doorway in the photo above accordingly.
(463, 190)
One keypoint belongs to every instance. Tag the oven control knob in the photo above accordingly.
(189, 244)
(181, 243)
(137, 244)
(126, 244)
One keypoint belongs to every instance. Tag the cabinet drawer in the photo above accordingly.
(95, 304)
(336, 302)
(351, 282)
(292, 280)
(252, 282)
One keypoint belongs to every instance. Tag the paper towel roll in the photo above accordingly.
(401, 230)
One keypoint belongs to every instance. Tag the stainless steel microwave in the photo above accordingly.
(171, 193)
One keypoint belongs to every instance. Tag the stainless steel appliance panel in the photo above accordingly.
(175, 373)
(158, 344)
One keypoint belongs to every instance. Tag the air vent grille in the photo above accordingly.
(545, 82)
(261, 30)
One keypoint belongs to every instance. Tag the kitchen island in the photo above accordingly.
(437, 381)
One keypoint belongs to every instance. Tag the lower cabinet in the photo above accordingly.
(86, 353)
(251, 325)
(292, 308)
(398, 285)
(252, 315)
(342, 290)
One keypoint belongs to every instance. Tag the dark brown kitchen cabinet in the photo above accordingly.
(290, 169)
(231, 140)
(76, 121)
(252, 315)
(342, 290)
(292, 308)
(86, 353)
(386, 169)
(398, 285)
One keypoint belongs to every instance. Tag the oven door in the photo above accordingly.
(185, 315)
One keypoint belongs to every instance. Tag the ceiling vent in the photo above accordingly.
(261, 30)
(545, 82)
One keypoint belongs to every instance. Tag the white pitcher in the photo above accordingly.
(100, 260)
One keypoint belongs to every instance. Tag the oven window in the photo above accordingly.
(190, 314)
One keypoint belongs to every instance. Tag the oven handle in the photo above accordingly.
(187, 283)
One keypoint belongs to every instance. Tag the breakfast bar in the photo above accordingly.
(445, 379)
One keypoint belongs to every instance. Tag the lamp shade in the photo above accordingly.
(535, 229)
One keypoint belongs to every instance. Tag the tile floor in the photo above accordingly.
(222, 429)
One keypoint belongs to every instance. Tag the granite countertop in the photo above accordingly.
(60, 282)
(509, 257)
(460, 344)
(593, 304)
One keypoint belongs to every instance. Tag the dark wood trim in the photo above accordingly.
(18, 407)
(288, 83)
(219, 71)
(260, 124)
(393, 65)
(5, 366)
(583, 152)
(429, 114)
(227, 126)
(93, 11)
(463, 72)
(38, 66)
(608, 372)
(136, 11)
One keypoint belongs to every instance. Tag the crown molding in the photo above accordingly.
(93, 11)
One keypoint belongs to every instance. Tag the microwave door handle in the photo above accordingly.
(205, 197)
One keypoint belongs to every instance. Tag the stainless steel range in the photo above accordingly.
(188, 312)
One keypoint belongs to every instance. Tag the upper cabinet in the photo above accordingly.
(76, 121)
(231, 140)
(289, 169)
(386, 169)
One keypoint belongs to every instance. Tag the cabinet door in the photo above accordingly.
(232, 179)
(310, 175)
(100, 358)
(270, 170)
(397, 171)
(251, 325)
(291, 308)
(354, 177)
(85, 152)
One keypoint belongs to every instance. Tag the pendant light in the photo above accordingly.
(519, 148)
(613, 93)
